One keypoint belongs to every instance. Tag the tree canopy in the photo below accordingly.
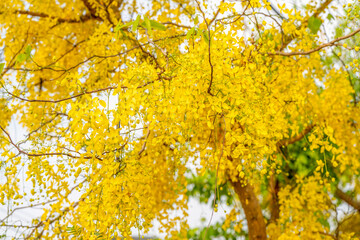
(118, 99)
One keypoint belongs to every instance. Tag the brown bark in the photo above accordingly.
(91, 8)
(346, 198)
(285, 142)
(322, 7)
(83, 18)
(274, 201)
(252, 209)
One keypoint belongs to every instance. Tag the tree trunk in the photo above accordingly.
(252, 209)
(274, 189)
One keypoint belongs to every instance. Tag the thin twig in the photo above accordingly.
(75, 96)
(144, 145)
(332, 43)
(209, 49)
(24, 207)
(40, 154)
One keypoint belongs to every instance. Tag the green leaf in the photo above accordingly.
(118, 27)
(136, 23)
(123, 33)
(26, 55)
(190, 33)
(156, 25)
(21, 58)
(338, 32)
(2, 67)
(205, 36)
(314, 24)
(198, 33)
(28, 51)
(330, 17)
(196, 20)
(148, 25)
(324, 222)
(153, 25)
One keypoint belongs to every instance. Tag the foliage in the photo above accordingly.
(202, 188)
(117, 98)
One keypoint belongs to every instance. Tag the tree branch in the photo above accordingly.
(317, 12)
(175, 24)
(332, 43)
(75, 96)
(144, 145)
(41, 154)
(209, 48)
(83, 18)
(91, 9)
(285, 142)
(51, 221)
(346, 198)
(322, 8)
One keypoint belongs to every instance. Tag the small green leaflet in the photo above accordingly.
(196, 20)
(190, 33)
(148, 25)
(205, 36)
(314, 24)
(157, 26)
(123, 34)
(338, 32)
(118, 27)
(154, 25)
(26, 55)
(27, 51)
(2, 67)
(20, 58)
(136, 23)
(330, 17)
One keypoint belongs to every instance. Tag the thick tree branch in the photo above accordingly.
(346, 198)
(83, 18)
(273, 183)
(322, 7)
(91, 9)
(285, 142)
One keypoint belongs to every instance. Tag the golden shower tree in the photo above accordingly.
(117, 98)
